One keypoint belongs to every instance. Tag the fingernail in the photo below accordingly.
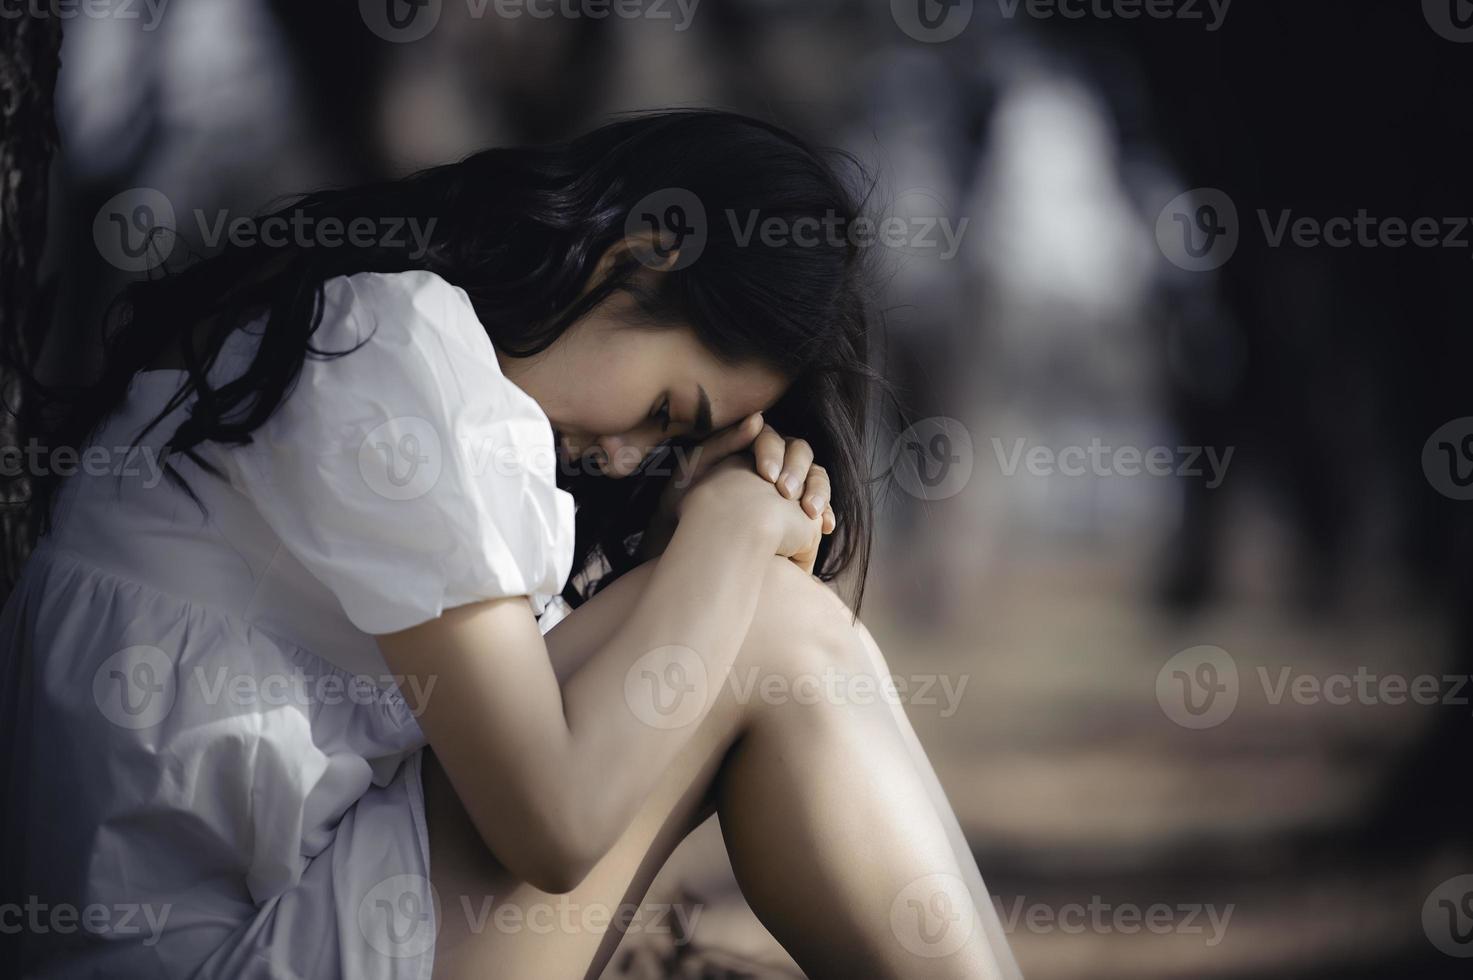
(816, 502)
(791, 485)
(770, 471)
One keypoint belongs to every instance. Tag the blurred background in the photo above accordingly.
(1175, 550)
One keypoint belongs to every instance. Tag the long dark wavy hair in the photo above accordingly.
(521, 231)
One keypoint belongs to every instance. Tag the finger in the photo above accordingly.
(714, 449)
(797, 460)
(810, 554)
(806, 559)
(829, 520)
(769, 449)
(816, 492)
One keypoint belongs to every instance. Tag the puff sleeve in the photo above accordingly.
(410, 475)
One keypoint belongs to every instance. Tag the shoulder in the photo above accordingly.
(399, 300)
(427, 327)
(415, 289)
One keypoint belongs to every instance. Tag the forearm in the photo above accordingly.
(627, 718)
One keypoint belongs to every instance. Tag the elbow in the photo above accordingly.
(557, 877)
(556, 858)
(556, 873)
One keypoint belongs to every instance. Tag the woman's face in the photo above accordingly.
(614, 389)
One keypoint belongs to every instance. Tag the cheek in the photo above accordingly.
(607, 411)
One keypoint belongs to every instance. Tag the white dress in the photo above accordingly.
(206, 760)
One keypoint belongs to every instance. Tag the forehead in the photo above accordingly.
(673, 356)
(737, 391)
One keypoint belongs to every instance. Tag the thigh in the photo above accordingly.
(493, 925)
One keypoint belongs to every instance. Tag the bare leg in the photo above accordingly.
(841, 841)
(991, 924)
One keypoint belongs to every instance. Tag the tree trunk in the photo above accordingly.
(30, 48)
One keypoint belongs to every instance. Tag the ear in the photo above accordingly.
(643, 247)
(656, 252)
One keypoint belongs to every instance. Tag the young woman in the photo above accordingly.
(275, 680)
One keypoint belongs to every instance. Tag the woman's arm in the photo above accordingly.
(551, 775)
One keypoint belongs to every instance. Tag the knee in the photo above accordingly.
(802, 625)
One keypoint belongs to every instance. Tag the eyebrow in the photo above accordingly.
(703, 413)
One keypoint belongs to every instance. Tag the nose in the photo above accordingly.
(622, 455)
